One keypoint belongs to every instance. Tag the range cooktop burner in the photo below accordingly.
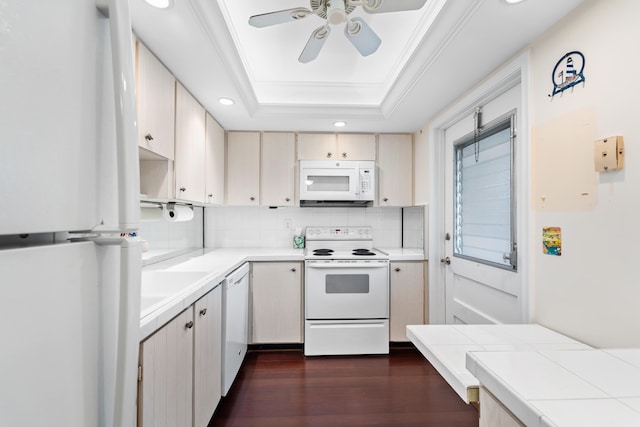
(322, 252)
(363, 252)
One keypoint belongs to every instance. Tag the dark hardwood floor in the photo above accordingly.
(287, 389)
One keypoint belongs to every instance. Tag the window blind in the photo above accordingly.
(483, 192)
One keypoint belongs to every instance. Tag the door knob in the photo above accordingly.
(446, 261)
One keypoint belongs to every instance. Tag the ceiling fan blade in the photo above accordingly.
(279, 17)
(382, 6)
(314, 44)
(362, 36)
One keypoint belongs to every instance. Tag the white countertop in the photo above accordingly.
(404, 254)
(446, 346)
(200, 271)
(585, 388)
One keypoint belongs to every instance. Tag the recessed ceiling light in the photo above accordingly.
(160, 4)
(340, 124)
(226, 101)
(513, 1)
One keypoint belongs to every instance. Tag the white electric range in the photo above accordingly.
(346, 293)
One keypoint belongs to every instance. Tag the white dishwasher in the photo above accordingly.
(235, 311)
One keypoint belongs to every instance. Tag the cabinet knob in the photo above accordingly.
(189, 324)
(397, 269)
(329, 155)
(252, 198)
(183, 189)
(148, 137)
(385, 199)
(210, 195)
(287, 199)
(203, 312)
(344, 155)
(293, 269)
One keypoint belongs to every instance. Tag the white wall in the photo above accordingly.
(592, 291)
(268, 228)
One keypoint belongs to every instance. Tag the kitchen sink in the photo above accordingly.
(162, 286)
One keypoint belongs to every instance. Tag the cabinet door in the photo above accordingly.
(214, 167)
(493, 413)
(207, 357)
(278, 163)
(356, 146)
(395, 178)
(165, 392)
(155, 98)
(317, 146)
(407, 298)
(421, 168)
(243, 168)
(190, 151)
(276, 298)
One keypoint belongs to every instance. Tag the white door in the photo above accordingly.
(483, 283)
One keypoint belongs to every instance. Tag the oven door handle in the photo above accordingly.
(348, 265)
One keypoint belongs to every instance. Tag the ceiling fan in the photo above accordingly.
(336, 12)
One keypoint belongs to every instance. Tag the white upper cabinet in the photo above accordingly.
(214, 162)
(243, 168)
(395, 177)
(155, 98)
(190, 147)
(353, 146)
(316, 146)
(278, 169)
(329, 146)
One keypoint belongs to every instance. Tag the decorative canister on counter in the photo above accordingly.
(298, 239)
(298, 242)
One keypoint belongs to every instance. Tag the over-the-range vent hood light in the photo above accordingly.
(334, 203)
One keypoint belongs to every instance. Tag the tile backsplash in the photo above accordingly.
(162, 234)
(270, 228)
(243, 227)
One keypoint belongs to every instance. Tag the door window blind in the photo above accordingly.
(483, 211)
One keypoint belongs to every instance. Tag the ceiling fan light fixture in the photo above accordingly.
(160, 4)
(335, 12)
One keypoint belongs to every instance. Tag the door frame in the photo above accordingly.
(506, 77)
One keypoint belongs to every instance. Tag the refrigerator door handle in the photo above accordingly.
(119, 13)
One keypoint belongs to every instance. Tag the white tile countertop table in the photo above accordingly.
(446, 346)
(586, 388)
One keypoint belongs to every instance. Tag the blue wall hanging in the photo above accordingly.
(568, 72)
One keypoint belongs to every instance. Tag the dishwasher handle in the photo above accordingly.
(235, 280)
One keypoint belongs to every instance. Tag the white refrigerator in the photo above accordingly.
(69, 204)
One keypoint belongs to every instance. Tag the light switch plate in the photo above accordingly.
(609, 154)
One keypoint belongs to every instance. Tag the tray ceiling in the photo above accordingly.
(427, 59)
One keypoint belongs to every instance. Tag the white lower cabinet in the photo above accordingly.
(407, 297)
(166, 385)
(207, 357)
(493, 413)
(180, 369)
(276, 302)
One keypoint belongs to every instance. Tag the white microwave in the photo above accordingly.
(337, 183)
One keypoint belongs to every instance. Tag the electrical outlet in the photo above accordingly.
(287, 223)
